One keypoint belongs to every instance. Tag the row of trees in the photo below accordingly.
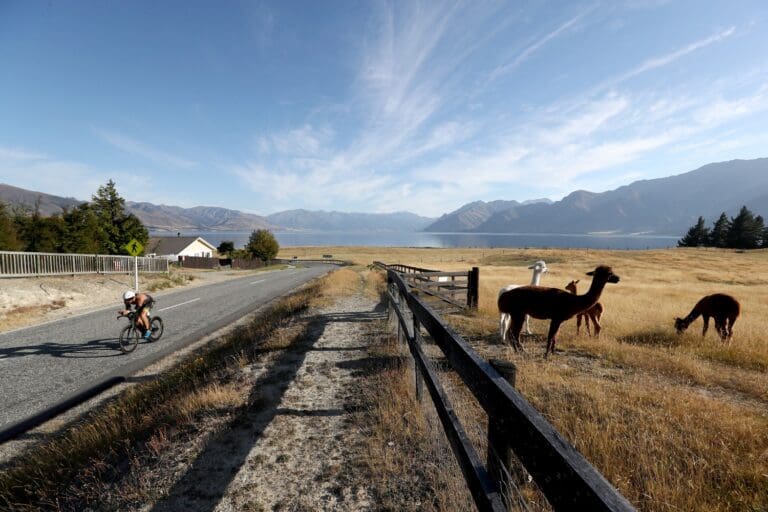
(262, 244)
(101, 226)
(745, 231)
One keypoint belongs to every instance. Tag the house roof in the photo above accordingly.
(162, 245)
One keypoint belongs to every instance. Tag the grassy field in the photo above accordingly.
(674, 422)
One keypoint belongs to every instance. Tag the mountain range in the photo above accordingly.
(665, 206)
(659, 206)
(340, 221)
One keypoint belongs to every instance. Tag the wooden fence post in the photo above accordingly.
(418, 340)
(473, 286)
(499, 449)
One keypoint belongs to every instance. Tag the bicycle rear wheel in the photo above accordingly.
(156, 327)
(129, 338)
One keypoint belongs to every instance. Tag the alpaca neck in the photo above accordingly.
(693, 315)
(536, 278)
(594, 292)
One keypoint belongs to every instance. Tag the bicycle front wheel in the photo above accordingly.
(156, 327)
(129, 338)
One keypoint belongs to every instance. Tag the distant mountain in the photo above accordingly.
(470, 216)
(340, 221)
(659, 206)
(49, 204)
(199, 218)
(210, 218)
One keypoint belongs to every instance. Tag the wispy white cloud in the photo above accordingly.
(527, 52)
(423, 145)
(134, 147)
(35, 171)
(15, 154)
(669, 58)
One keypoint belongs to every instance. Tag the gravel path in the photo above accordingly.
(297, 446)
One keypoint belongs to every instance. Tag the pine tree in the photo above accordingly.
(38, 233)
(759, 229)
(9, 238)
(697, 236)
(718, 237)
(82, 231)
(745, 232)
(116, 227)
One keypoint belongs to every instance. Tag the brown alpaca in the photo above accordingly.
(725, 310)
(594, 313)
(551, 303)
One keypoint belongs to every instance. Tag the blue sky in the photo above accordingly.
(373, 106)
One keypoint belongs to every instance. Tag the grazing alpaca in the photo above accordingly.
(594, 313)
(553, 303)
(725, 310)
(538, 268)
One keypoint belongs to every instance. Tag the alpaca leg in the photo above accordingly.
(706, 325)
(578, 324)
(586, 324)
(504, 326)
(516, 326)
(729, 325)
(596, 323)
(553, 328)
(527, 326)
(720, 328)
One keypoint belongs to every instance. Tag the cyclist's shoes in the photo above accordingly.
(148, 334)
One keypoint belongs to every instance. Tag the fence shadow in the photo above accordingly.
(102, 347)
(205, 482)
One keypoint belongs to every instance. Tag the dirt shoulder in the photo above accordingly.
(33, 300)
(296, 447)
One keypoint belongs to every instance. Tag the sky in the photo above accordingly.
(374, 106)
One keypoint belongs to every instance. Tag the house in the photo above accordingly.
(171, 247)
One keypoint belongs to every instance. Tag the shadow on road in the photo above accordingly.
(103, 347)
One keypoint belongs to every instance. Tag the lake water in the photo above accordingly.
(411, 239)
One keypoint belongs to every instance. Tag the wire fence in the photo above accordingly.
(33, 264)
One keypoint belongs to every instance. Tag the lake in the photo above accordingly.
(445, 240)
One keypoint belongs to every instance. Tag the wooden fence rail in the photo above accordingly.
(568, 480)
(459, 289)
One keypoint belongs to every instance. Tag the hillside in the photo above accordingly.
(660, 206)
(202, 218)
(340, 221)
(48, 204)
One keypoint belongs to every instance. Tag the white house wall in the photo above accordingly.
(197, 248)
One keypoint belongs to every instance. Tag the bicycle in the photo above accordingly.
(131, 333)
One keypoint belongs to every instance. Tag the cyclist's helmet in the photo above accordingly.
(128, 295)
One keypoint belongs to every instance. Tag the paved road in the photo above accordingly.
(41, 365)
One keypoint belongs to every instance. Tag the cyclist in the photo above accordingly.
(143, 303)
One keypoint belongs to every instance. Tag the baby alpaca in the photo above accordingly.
(723, 308)
(594, 313)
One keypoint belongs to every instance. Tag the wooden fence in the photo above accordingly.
(567, 480)
(459, 289)
(33, 264)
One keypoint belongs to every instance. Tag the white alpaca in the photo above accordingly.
(538, 268)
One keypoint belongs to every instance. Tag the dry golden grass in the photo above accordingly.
(409, 462)
(674, 422)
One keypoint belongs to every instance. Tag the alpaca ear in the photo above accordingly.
(577, 281)
(591, 273)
